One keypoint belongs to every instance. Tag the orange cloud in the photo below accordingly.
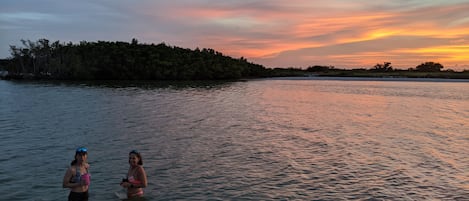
(276, 33)
(350, 35)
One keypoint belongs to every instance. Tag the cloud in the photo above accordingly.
(365, 38)
(270, 32)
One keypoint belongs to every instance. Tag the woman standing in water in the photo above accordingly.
(77, 177)
(136, 177)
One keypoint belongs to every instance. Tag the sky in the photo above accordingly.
(275, 33)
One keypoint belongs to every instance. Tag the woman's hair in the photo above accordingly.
(139, 156)
(80, 150)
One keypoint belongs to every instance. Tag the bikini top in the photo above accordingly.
(132, 179)
(77, 177)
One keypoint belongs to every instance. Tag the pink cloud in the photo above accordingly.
(273, 33)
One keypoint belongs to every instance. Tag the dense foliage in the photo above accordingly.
(124, 61)
(429, 67)
(134, 61)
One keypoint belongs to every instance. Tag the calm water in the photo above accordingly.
(255, 140)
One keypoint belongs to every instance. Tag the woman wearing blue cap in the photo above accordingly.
(77, 177)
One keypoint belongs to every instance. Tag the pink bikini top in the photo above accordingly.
(132, 180)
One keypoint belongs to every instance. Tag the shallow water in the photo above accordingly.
(255, 140)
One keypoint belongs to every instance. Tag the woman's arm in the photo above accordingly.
(67, 177)
(142, 176)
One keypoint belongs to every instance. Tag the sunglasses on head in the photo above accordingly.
(134, 152)
(82, 150)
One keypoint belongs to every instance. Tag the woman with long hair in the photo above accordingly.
(77, 177)
(136, 177)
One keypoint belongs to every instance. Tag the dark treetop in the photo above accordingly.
(123, 61)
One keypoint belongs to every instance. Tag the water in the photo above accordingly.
(271, 139)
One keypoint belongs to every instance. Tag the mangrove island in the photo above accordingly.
(103, 60)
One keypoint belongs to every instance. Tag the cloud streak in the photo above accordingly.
(299, 33)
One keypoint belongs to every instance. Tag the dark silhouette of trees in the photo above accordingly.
(104, 60)
(386, 66)
(429, 67)
(317, 68)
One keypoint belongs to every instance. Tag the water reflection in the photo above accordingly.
(256, 140)
(149, 85)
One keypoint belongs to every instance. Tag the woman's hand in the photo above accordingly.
(125, 184)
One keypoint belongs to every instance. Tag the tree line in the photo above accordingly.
(386, 67)
(423, 70)
(103, 60)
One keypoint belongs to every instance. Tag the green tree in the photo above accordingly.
(124, 61)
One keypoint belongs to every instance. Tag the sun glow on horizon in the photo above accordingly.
(271, 33)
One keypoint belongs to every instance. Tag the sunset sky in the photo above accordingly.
(274, 33)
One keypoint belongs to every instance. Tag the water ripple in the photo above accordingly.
(257, 140)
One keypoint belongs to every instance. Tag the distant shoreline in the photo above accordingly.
(105, 60)
(365, 79)
(293, 76)
(398, 74)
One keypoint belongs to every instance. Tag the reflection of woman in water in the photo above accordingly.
(77, 177)
(136, 176)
